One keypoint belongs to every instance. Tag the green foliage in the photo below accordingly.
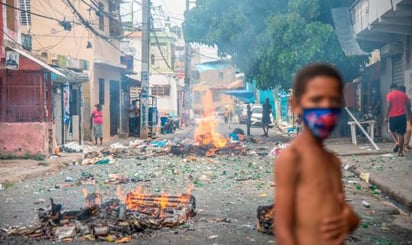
(26, 155)
(270, 40)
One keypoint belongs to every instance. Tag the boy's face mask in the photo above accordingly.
(321, 121)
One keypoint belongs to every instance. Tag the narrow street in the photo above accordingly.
(227, 189)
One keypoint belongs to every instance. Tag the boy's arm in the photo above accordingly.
(339, 227)
(285, 177)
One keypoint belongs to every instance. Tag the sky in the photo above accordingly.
(175, 10)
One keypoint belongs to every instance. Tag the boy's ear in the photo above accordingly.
(296, 108)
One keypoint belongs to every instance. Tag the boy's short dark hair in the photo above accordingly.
(311, 71)
(394, 86)
(402, 88)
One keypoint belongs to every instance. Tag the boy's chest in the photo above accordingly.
(319, 173)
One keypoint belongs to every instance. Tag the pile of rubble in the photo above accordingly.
(139, 149)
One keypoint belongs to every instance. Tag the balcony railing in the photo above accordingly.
(366, 12)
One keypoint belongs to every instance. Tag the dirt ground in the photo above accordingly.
(228, 190)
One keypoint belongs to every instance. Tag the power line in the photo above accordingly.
(30, 12)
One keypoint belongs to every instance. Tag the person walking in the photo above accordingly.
(226, 115)
(96, 122)
(266, 121)
(396, 114)
(132, 119)
(248, 119)
(409, 122)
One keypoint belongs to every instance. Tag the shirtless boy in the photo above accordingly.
(310, 206)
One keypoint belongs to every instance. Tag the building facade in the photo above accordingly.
(85, 38)
(384, 30)
(26, 114)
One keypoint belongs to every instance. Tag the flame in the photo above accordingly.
(138, 200)
(92, 199)
(205, 133)
(85, 192)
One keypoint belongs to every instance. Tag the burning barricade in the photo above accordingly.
(115, 220)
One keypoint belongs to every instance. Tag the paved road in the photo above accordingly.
(228, 190)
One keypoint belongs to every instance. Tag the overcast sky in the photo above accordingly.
(175, 10)
(172, 8)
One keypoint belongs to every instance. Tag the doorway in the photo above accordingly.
(114, 107)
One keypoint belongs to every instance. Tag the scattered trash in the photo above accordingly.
(347, 166)
(118, 146)
(366, 204)
(277, 149)
(353, 182)
(65, 232)
(71, 147)
(39, 201)
(124, 240)
(365, 177)
(103, 162)
(118, 179)
(387, 155)
(1, 187)
(68, 179)
(213, 237)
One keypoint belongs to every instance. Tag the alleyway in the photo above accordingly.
(228, 190)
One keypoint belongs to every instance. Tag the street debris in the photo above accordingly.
(274, 153)
(265, 216)
(365, 177)
(366, 204)
(115, 220)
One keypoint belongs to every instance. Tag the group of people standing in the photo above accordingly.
(399, 116)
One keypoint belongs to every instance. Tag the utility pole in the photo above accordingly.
(144, 94)
(188, 71)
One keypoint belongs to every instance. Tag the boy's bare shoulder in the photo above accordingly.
(289, 156)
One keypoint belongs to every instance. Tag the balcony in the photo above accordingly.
(381, 21)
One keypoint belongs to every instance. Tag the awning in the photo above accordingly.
(39, 62)
(109, 63)
(134, 79)
(70, 76)
(345, 33)
(244, 95)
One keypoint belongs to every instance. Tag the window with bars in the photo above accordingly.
(25, 12)
(161, 90)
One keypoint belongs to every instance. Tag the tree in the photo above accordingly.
(270, 40)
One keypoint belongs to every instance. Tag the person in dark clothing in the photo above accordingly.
(248, 119)
(132, 119)
(266, 121)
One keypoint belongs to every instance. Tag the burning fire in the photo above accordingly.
(92, 199)
(138, 200)
(205, 133)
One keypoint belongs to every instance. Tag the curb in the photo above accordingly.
(405, 201)
(369, 153)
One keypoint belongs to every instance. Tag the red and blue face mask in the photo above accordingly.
(321, 121)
